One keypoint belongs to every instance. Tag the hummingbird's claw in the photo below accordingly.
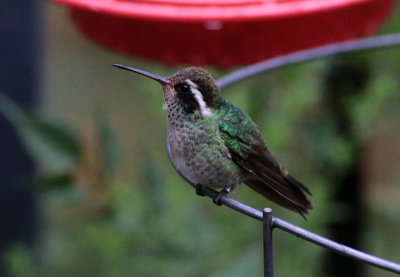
(199, 190)
(217, 199)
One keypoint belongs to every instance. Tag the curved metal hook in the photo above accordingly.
(376, 42)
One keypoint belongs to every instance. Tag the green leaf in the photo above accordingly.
(108, 143)
(55, 181)
(153, 184)
(19, 261)
(51, 145)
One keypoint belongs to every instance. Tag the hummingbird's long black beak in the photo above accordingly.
(160, 79)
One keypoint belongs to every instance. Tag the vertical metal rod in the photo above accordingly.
(267, 242)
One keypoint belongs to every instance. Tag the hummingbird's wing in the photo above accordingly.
(264, 174)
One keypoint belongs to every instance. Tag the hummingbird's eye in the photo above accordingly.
(182, 88)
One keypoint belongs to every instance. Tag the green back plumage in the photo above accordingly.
(264, 173)
(236, 128)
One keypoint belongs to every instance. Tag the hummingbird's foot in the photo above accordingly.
(199, 190)
(217, 199)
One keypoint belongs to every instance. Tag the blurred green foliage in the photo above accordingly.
(103, 214)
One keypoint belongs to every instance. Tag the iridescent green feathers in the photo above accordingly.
(236, 128)
(264, 174)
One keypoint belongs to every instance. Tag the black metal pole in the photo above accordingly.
(19, 48)
(347, 77)
(267, 242)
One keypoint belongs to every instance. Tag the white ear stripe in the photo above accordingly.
(199, 98)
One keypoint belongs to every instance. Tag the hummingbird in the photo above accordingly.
(215, 144)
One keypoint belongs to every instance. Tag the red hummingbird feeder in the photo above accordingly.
(223, 33)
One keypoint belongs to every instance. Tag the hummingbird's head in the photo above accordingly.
(193, 88)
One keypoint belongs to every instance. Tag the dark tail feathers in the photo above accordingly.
(293, 199)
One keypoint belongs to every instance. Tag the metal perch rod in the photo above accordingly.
(297, 231)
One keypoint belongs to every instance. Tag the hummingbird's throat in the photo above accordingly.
(169, 94)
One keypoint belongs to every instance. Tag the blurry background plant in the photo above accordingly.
(115, 207)
(66, 161)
